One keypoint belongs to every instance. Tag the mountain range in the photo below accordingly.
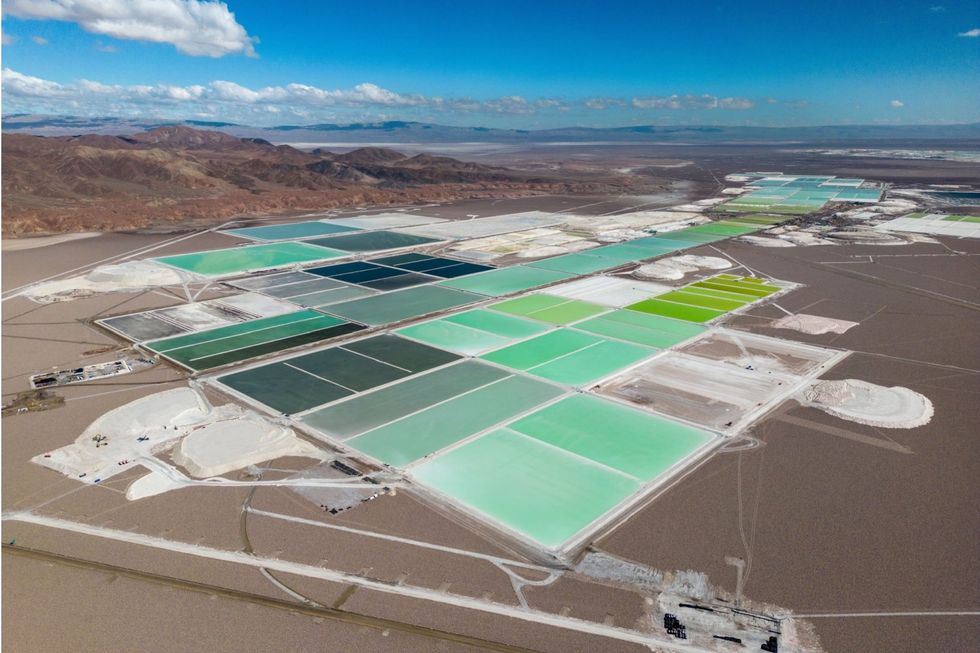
(418, 132)
(178, 175)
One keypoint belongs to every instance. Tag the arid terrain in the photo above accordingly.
(179, 176)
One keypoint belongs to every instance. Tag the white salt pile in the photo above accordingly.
(813, 324)
(676, 267)
(213, 440)
(867, 403)
(222, 447)
(762, 241)
(131, 276)
(140, 428)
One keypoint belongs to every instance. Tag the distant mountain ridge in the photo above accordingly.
(175, 172)
(400, 131)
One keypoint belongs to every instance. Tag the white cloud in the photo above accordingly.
(551, 103)
(194, 27)
(602, 103)
(40, 40)
(896, 104)
(8, 39)
(704, 101)
(512, 104)
(234, 100)
(971, 34)
(16, 84)
(103, 47)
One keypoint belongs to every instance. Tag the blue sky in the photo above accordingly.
(507, 64)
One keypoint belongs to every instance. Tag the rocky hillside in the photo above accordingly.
(179, 174)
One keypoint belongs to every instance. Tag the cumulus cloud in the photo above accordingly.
(19, 85)
(203, 28)
(704, 101)
(551, 103)
(971, 33)
(602, 103)
(233, 100)
(512, 104)
(896, 104)
(230, 100)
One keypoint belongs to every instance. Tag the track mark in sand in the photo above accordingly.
(39, 339)
(247, 548)
(344, 596)
(888, 444)
(921, 613)
(377, 623)
(918, 362)
(949, 299)
(754, 273)
(432, 597)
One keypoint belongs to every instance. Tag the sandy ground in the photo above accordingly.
(20, 244)
(838, 517)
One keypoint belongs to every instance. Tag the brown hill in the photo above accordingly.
(178, 174)
(369, 155)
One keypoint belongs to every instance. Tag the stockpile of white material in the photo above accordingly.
(222, 447)
(619, 235)
(142, 427)
(763, 241)
(131, 276)
(213, 440)
(676, 267)
(659, 220)
(813, 324)
(532, 243)
(257, 304)
(556, 250)
(890, 206)
(867, 403)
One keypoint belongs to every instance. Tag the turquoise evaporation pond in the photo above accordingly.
(236, 260)
(473, 332)
(504, 281)
(569, 357)
(289, 231)
(420, 434)
(399, 305)
(551, 474)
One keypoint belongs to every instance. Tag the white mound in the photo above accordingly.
(676, 267)
(813, 324)
(130, 276)
(579, 245)
(867, 403)
(214, 440)
(806, 238)
(226, 446)
(142, 427)
(150, 485)
(762, 241)
(619, 235)
(867, 237)
(538, 252)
